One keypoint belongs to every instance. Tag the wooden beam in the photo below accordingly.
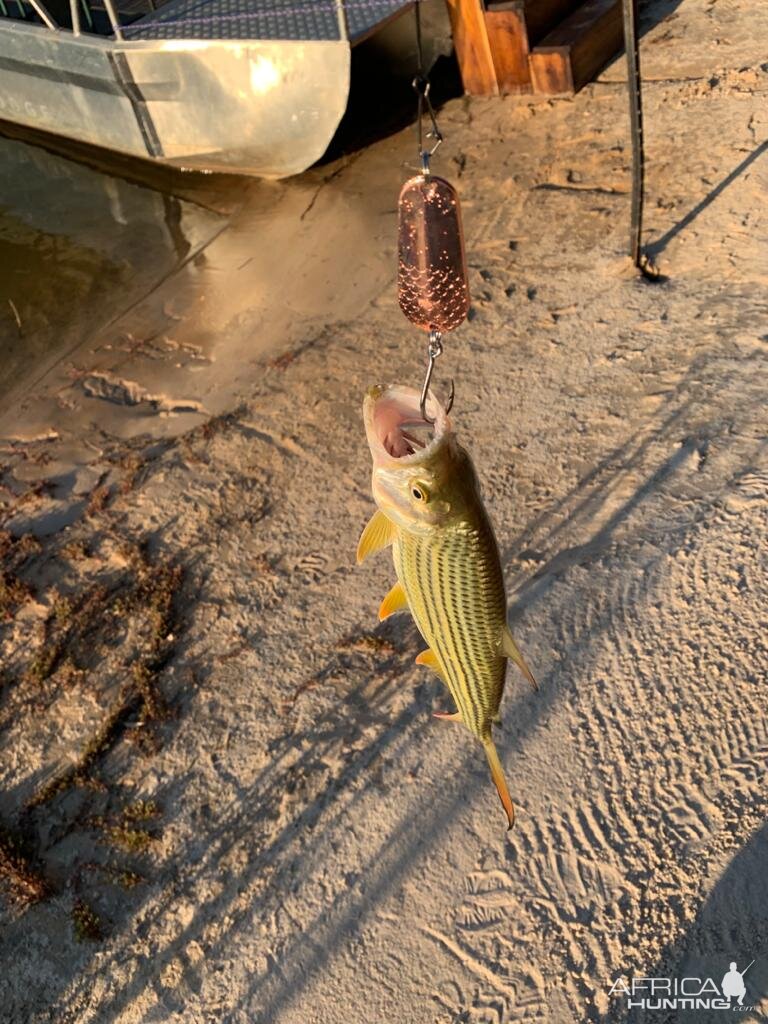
(542, 16)
(473, 50)
(551, 71)
(508, 40)
(572, 54)
(513, 27)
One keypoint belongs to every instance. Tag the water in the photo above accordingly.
(78, 247)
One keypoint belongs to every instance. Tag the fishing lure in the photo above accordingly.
(446, 558)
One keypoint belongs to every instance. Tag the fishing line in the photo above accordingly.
(421, 85)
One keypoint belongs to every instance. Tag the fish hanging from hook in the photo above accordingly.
(430, 511)
(446, 559)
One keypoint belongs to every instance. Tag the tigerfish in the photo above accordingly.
(446, 558)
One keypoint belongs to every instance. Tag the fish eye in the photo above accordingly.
(419, 492)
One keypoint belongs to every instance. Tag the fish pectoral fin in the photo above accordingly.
(393, 602)
(430, 659)
(449, 716)
(510, 650)
(497, 774)
(378, 534)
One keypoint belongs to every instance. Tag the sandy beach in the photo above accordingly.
(223, 796)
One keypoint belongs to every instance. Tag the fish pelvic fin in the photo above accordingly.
(378, 534)
(510, 650)
(448, 716)
(431, 660)
(497, 774)
(395, 601)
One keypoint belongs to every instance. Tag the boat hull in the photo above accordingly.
(260, 107)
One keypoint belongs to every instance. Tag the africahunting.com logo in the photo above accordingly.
(687, 993)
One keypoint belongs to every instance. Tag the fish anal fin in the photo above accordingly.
(510, 650)
(393, 602)
(431, 660)
(497, 774)
(378, 534)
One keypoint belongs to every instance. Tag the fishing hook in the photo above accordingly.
(434, 350)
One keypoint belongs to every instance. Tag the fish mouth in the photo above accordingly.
(396, 428)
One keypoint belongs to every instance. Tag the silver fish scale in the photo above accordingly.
(455, 589)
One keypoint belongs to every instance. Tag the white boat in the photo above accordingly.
(243, 86)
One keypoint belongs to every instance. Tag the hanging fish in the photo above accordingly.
(446, 558)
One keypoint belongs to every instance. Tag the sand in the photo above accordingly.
(320, 849)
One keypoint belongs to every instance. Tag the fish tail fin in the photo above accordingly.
(497, 774)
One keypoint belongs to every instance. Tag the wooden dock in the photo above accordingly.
(552, 47)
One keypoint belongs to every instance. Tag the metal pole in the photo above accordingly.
(44, 15)
(636, 129)
(341, 16)
(113, 19)
(74, 11)
(87, 12)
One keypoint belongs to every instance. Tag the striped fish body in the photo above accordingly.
(446, 558)
(455, 590)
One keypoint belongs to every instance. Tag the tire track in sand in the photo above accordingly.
(668, 736)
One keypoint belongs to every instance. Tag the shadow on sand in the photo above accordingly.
(729, 927)
(654, 249)
(361, 731)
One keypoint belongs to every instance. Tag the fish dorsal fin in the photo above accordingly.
(497, 774)
(510, 650)
(378, 534)
(393, 602)
(430, 659)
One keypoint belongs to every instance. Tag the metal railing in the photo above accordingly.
(80, 14)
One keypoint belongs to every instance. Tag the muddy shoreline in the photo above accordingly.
(224, 773)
